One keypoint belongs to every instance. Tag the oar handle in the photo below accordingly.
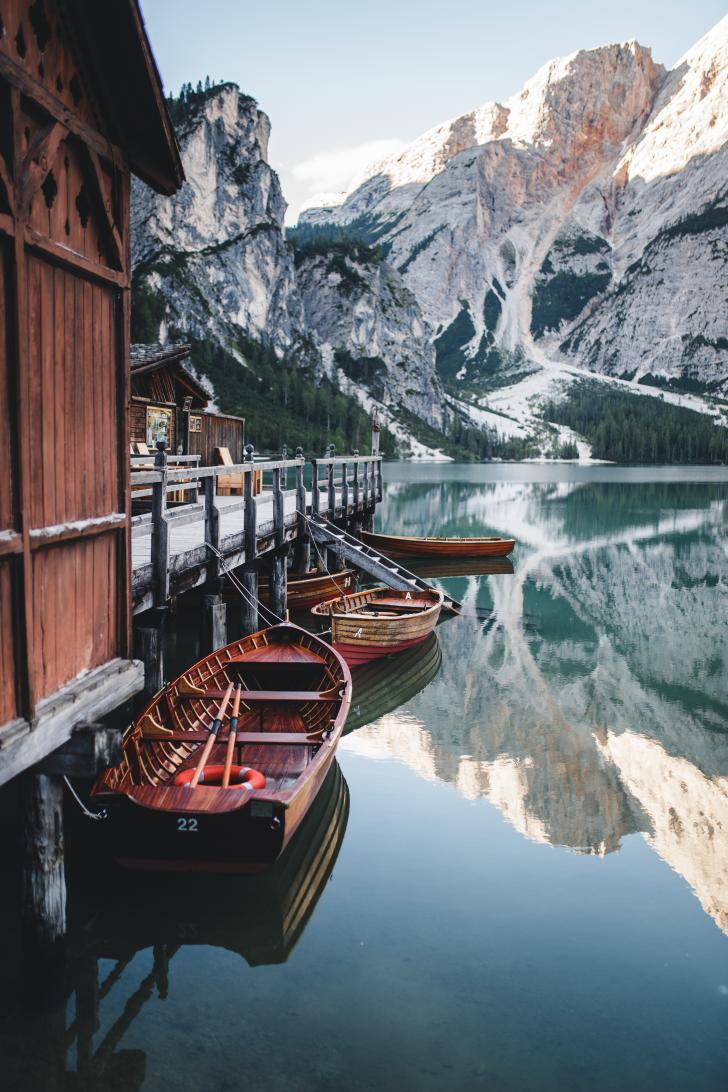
(214, 729)
(231, 737)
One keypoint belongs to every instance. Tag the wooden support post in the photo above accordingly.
(251, 513)
(149, 648)
(365, 488)
(315, 496)
(357, 495)
(344, 488)
(368, 522)
(214, 621)
(91, 748)
(378, 496)
(249, 622)
(212, 525)
(332, 487)
(44, 879)
(278, 507)
(334, 559)
(279, 582)
(302, 554)
(160, 529)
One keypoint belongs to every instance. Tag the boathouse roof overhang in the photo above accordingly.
(113, 42)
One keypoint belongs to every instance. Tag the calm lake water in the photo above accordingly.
(517, 881)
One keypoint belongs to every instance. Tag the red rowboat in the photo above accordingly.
(407, 546)
(294, 697)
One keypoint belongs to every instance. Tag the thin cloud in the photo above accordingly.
(334, 171)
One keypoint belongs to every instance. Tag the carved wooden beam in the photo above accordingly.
(106, 206)
(38, 162)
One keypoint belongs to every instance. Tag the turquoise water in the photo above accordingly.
(519, 879)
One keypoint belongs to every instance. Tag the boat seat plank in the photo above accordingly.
(248, 696)
(277, 738)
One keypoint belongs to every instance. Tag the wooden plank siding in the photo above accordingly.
(65, 595)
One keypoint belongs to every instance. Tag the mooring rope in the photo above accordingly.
(251, 599)
(103, 814)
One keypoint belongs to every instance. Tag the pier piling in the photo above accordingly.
(44, 878)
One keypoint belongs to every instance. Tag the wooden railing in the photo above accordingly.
(351, 484)
(349, 481)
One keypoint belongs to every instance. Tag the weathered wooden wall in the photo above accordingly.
(218, 431)
(64, 284)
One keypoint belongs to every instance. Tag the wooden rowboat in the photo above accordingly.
(305, 590)
(294, 701)
(410, 546)
(379, 621)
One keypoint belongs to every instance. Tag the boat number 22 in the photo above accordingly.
(186, 824)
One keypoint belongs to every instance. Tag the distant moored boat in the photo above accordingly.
(411, 546)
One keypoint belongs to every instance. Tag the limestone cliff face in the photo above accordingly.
(664, 211)
(215, 251)
(583, 220)
(215, 262)
(370, 330)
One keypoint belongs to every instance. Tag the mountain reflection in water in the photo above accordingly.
(608, 714)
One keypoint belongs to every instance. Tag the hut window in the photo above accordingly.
(159, 422)
(195, 424)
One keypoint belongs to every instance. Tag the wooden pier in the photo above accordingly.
(176, 549)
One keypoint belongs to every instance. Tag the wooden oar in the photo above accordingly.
(232, 732)
(214, 729)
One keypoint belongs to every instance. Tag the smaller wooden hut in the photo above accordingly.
(169, 403)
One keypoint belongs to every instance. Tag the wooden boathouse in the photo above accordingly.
(169, 403)
(81, 106)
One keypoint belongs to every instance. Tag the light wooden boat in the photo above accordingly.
(459, 566)
(379, 621)
(410, 546)
(295, 698)
(305, 590)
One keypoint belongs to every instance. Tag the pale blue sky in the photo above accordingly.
(335, 77)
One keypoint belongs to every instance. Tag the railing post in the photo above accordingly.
(302, 555)
(194, 490)
(212, 524)
(344, 488)
(332, 486)
(160, 529)
(356, 480)
(379, 479)
(315, 498)
(365, 490)
(373, 481)
(250, 508)
(375, 437)
(278, 507)
(284, 456)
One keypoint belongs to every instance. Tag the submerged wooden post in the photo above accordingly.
(302, 553)
(251, 508)
(249, 622)
(149, 648)
(279, 582)
(44, 878)
(160, 529)
(214, 621)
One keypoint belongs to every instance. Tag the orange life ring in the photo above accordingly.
(241, 777)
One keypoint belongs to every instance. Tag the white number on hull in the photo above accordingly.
(186, 824)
